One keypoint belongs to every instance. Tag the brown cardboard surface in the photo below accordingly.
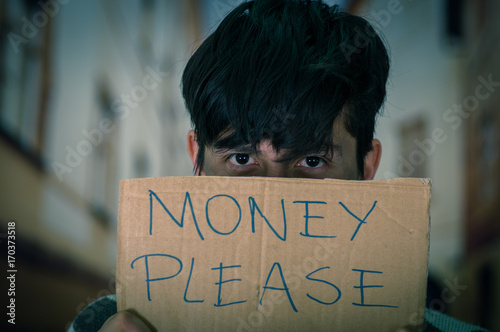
(329, 254)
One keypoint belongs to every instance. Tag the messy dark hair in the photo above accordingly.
(284, 70)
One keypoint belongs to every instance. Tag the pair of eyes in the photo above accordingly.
(243, 159)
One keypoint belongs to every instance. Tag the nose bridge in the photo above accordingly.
(270, 161)
(275, 169)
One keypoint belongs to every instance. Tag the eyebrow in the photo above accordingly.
(244, 149)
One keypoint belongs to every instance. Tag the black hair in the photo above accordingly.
(284, 70)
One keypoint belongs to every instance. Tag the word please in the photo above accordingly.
(330, 294)
(255, 211)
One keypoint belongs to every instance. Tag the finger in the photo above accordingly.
(125, 321)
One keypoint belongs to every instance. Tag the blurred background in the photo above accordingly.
(89, 95)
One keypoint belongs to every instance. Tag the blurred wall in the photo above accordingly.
(89, 95)
(441, 121)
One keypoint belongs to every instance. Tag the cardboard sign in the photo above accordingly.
(270, 254)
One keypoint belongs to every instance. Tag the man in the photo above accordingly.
(280, 81)
(284, 89)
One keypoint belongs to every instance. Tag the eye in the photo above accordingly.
(311, 162)
(241, 159)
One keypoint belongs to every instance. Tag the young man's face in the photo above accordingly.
(265, 161)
